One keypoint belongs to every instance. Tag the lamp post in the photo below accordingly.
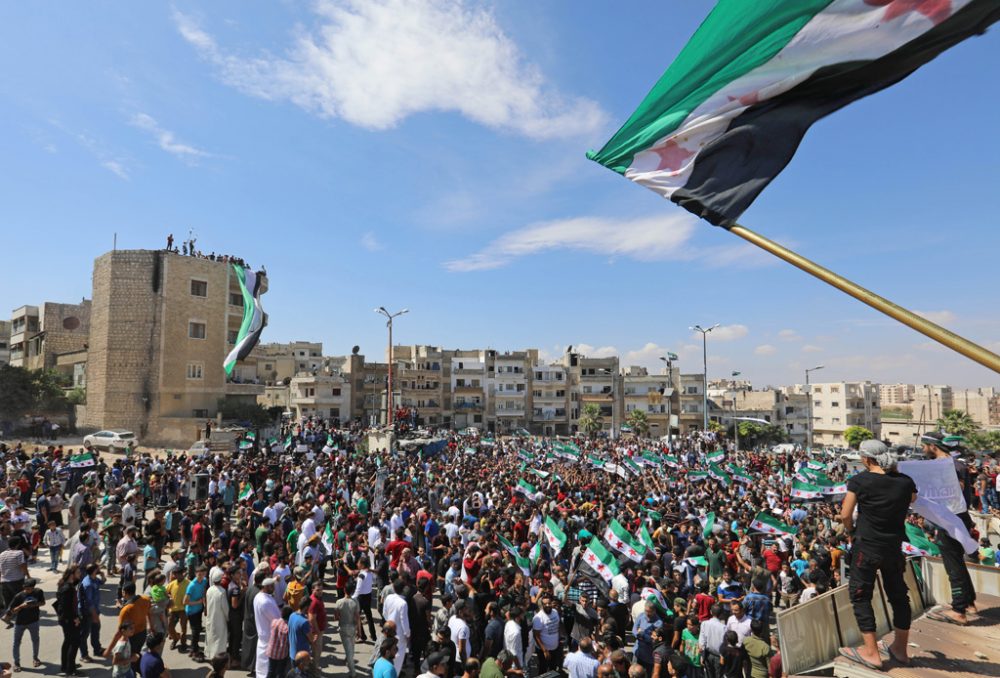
(809, 409)
(670, 384)
(736, 426)
(704, 370)
(389, 318)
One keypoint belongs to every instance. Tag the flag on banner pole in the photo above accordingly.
(651, 595)
(83, 460)
(246, 492)
(525, 488)
(554, 536)
(707, 523)
(767, 523)
(918, 543)
(536, 553)
(806, 491)
(598, 562)
(715, 457)
(328, 538)
(645, 537)
(620, 540)
(288, 441)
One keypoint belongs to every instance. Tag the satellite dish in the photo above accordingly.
(355, 350)
(569, 349)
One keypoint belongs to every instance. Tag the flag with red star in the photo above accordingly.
(622, 541)
(768, 524)
(597, 560)
(729, 113)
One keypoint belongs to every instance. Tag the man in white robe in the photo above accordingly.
(216, 617)
(265, 610)
(395, 609)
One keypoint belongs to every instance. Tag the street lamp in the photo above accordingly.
(704, 371)
(389, 317)
(809, 409)
(736, 427)
(670, 384)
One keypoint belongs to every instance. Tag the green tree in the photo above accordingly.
(638, 422)
(591, 420)
(754, 434)
(716, 427)
(984, 440)
(855, 435)
(957, 422)
(253, 414)
(78, 396)
(17, 392)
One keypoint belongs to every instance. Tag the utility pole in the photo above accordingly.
(704, 375)
(809, 408)
(389, 318)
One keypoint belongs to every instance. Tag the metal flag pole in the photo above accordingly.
(939, 334)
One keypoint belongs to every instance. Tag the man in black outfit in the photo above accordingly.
(882, 496)
(963, 594)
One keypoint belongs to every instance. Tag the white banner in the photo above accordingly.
(939, 497)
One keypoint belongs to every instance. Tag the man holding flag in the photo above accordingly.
(882, 497)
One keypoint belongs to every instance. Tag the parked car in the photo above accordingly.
(112, 441)
(199, 448)
(851, 456)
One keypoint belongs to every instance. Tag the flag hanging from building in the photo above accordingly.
(620, 540)
(730, 112)
(555, 537)
(765, 522)
(252, 285)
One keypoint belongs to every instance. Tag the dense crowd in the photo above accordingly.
(471, 557)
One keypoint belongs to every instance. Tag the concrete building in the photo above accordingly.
(274, 363)
(785, 409)
(161, 325)
(4, 342)
(654, 394)
(509, 389)
(550, 397)
(931, 401)
(323, 395)
(691, 403)
(895, 394)
(982, 404)
(838, 405)
(38, 334)
(419, 383)
(469, 395)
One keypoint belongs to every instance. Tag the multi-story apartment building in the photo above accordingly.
(419, 383)
(469, 389)
(838, 405)
(931, 401)
(161, 325)
(786, 409)
(39, 334)
(326, 395)
(274, 363)
(691, 402)
(654, 394)
(509, 387)
(895, 394)
(550, 397)
(4, 342)
(982, 404)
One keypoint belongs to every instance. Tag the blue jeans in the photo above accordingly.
(18, 633)
(54, 553)
(89, 629)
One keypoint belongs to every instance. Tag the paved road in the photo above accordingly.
(181, 666)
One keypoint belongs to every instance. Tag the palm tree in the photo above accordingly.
(957, 423)
(638, 422)
(591, 420)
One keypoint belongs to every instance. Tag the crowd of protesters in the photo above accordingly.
(291, 551)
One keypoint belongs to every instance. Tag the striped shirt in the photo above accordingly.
(277, 647)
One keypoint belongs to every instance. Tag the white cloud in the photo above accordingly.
(789, 335)
(370, 242)
(939, 317)
(166, 140)
(595, 351)
(375, 62)
(724, 333)
(765, 349)
(812, 348)
(648, 356)
(116, 167)
(647, 239)
(106, 158)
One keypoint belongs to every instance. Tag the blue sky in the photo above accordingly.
(404, 154)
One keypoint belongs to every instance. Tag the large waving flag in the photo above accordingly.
(730, 112)
(252, 285)
(918, 543)
(765, 522)
(554, 536)
(599, 561)
(620, 540)
(806, 491)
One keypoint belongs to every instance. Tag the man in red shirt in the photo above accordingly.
(472, 562)
(394, 549)
(317, 618)
(703, 602)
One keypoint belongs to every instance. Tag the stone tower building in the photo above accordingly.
(161, 325)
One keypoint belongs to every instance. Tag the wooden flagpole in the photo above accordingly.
(920, 324)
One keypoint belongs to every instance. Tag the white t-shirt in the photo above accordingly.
(512, 642)
(459, 632)
(547, 626)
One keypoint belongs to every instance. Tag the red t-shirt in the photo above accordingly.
(395, 550)
(318, 610)
(772, 561)
(472, 567)
(703, 609)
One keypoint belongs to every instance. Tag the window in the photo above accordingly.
(196, 330)
(268, 366)
(835, 404)
(235, 299)
(560, 394)
(199, 414)
(194, 371)
(335, 392)
(834, 389)
(334, 412)
(199, 288)
(477, 418)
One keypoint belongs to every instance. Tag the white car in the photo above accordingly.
(851, 456)
(112, 441)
